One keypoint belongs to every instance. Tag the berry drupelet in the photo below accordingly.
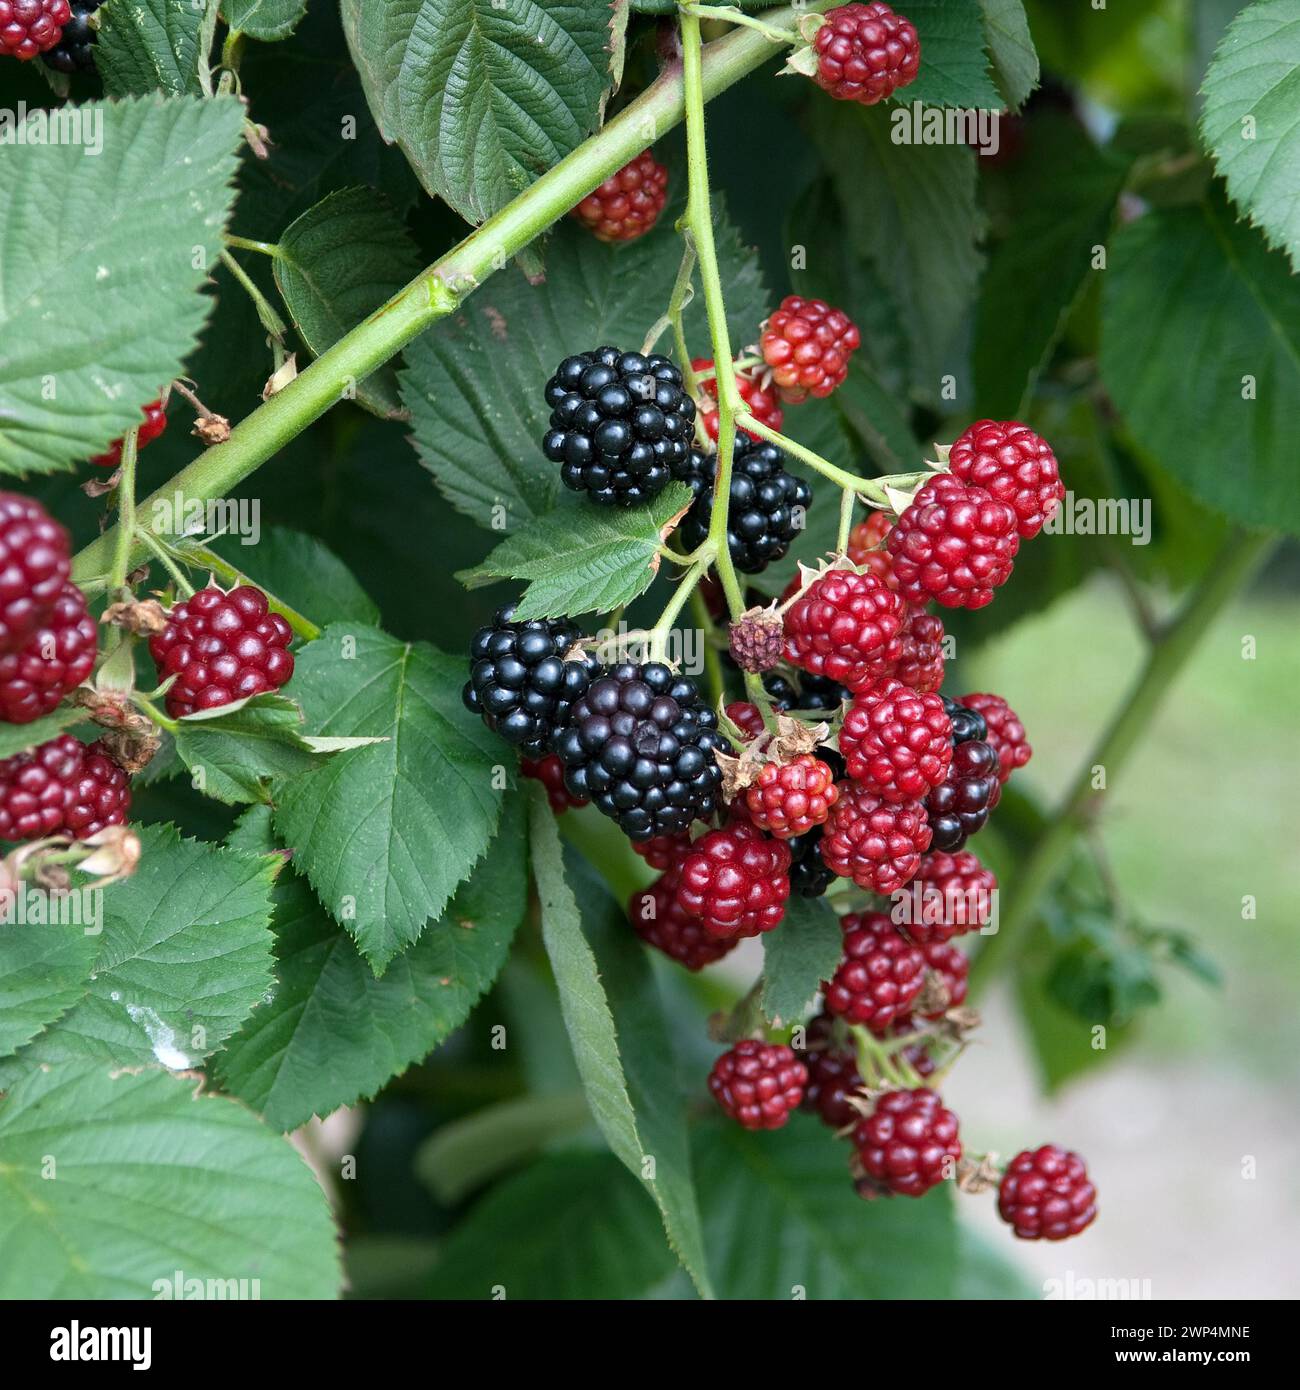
(789, 799)
(642, 744)
(221, 647)
(29, 27)
(520, 681)
(628, 203)
(549, 771)
(767, 505)
(950, 895)
(621, 423)
(758, 1084)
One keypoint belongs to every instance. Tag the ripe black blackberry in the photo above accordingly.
(960, 805)
(520, 682)
(809, 876)
(620, 424)
(75, 51)
(641, 744)
(813, 693)
(766, 509)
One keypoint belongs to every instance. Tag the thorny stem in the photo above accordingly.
(1227, 573)
(439, 290)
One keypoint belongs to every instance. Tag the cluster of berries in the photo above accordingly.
(59, 31)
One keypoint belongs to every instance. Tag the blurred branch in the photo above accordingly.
(1228, 572)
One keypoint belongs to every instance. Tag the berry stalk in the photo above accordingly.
(439, 290)
(1228, 572)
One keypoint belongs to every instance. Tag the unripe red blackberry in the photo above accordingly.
(880, 975)
(950, 895)
(1013, 464)
(628, 203)
(549, 771)
(954, 544)
(896, 742)
(920, 661)
(1045, 1194)
(221, 647)
(155, 422)
(736, 881)
(760, 400)
(844, 626)
(62, 787)
(807, 344)
(664, 852)
(875, 843)
(29, 27)
(57, 657)
(789, 799)
(832, 1075)
(35, 561)
(661, 921)
(946, 971)
(758, 1084)
(909, 1142)
(1005, 732)
(746, 717)
(865, 53)
(866, 547)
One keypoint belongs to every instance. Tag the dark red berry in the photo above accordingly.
(63, 787)
(896, 742)
(35, 560)
(760, 399)
(746, 717)
(1005, 732)
(909, 1142)
(807, 345)
(758, 1084)
(880, 976)
(221, 647)
(1045, 1194)
(865, 53)
(875, 843)
(921, 660)
(664, 851)
(845, 626)
(756, 640)
(960, 806)
(1013, 464)
(628, 203)
(832, 1075)
(57, 657)
(75, 50)
(29, 27)
(660, 921)
(950, 895)
(736, 881)
(155, 421)
(788, 799)
(954, 544)
(946, 971)
(866, 547)
(549, 771)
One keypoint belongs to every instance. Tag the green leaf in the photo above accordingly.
(304, 573)
(233, 751)
(911, 210)
(116, 1179)
(623, 1102)
(954, 66)
(1222, 422)
(165, 186)
(385, 833)
(1015, 61)
(818, 1238)
(338, 263)
(146, 46)
(185, 955)
(44, 966)
(1064, 1045)
(332, 1034)
(574, 1226)
(1036, 276)
(474, 386)
(18, 738)
(1251, 118)
(802, 952)
(873, 414)
(462, 1156)
(268, 20)
(582, 560)
(482, 95)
